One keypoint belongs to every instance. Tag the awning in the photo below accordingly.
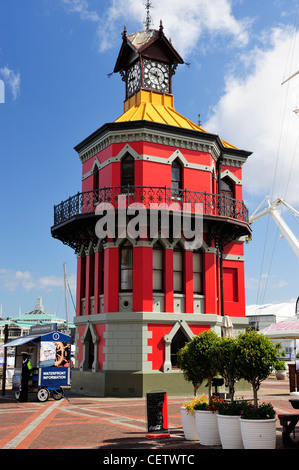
(21, 340)
(53, 336)
(288, 329)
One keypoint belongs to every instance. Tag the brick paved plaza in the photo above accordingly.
(106, 423)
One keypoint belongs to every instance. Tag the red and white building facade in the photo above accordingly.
(140, 299)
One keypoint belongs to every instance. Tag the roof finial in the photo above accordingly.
(148, 20)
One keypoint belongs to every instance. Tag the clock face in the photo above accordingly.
(133, 79)
(156, 76)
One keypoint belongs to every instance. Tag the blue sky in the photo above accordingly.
(55, 56)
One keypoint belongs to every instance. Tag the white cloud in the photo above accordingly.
(256, 113)
(183, 22)
(13, 281)
(12, 79)
(48, 282)
(81, 7)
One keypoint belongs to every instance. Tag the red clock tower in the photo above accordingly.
(139, 299)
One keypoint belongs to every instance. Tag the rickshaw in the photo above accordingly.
(50, 354)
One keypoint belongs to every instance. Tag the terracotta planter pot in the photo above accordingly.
(189, 425)
(258, 433)
(207, 428)
(230, 432)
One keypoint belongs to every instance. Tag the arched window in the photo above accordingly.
(96, 178)
(158, 267)
(227, 187)
(90, 346)
(178, 269)
(177, 343)
(128, 171)
(176, 178)
(227, 194)
(126, 267)
(197, 273)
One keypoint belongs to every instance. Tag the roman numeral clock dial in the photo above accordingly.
(133, 79)
(156, 76)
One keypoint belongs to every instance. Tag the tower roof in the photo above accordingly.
(146, 43)
(150, 106)
(147, 103)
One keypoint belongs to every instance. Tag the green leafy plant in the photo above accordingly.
(196, 401)
(215, 403)
(228, 363)
(261, 411)
(186, 362)
(280, 365)
(198, 359)
(233, 408)
(256, 359)
(278, 346)
(211, 405)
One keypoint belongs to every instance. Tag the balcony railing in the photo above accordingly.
(212, 204)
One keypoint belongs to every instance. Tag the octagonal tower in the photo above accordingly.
(139, 299)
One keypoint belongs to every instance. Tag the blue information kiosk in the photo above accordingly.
(50, 357)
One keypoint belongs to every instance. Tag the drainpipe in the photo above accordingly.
(220, 247)
(221, 281)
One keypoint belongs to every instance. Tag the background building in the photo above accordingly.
(262, 316)
(20, 325)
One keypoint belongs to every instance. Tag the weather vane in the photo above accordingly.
(148, 20)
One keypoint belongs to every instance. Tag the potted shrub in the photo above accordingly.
(228, 363)
(206, 421)
(255, 360)
(257, 356)
(280, 369)
(258, 426)
(188, 417)
(280, 366)
(187, 363)
(229, 412)
(197, 360)
(228, 418)
(202, 358)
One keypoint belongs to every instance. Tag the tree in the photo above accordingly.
(256, 359)
(199, 361)
(188, 366)
(228, 363)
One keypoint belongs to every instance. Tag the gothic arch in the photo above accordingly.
(180, 324)
(90, 341)
(127, 176)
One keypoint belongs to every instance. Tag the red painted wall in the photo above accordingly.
(142, 279)
(234, 288)
(157, 357)
(111, 281)
(151, 174)
(100, 330)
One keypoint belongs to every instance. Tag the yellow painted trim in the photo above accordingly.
(156, 107)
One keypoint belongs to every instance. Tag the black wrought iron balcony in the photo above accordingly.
(212, 205)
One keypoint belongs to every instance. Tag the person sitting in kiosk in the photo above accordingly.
(26, 371)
